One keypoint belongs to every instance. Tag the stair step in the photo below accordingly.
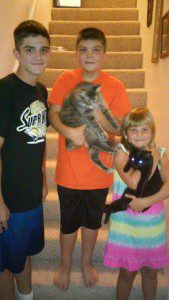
(114, 60)
(138, 97)
(52, 207)
(109, 3)
(52, 247)
(109, 27)
(114, 43)
(95, 14)
(50, 177)
(130, 78)
(51, 166)
(51, 145)
(44, 289)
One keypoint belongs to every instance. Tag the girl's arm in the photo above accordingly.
(163, 194)
(132, 177)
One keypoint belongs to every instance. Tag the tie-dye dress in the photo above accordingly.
(136, 239)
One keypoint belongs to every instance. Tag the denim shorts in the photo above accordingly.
(81, 208)
(24, 237)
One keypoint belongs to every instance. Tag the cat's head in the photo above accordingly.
(138, 159)
(87, 94)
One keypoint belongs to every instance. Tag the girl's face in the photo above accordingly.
(139, 136)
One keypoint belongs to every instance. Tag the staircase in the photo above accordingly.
(119, 20)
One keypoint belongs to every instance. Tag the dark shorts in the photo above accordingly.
(24, 237)
(81, 208)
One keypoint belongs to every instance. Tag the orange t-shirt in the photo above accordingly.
(74, 168)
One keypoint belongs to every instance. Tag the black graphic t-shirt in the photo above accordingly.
(23, 121)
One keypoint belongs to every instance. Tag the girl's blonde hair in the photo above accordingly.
(137, 117)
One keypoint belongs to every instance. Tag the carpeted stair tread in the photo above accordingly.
(52, 207)
(44, 289)
(52, 248)
(130, 78)
(51, 149)
(51, 165)
(50, 168)
(109, 27)
(114, 43)
(44, 277)
(114, 60)
(95, 14)
(109, 3)
(138, 97)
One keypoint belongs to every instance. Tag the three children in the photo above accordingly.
(82, 187)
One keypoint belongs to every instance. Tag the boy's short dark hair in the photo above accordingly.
(91, 33)
(29, 28)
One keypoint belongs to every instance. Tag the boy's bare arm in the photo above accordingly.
(75, 134)
(4, 211)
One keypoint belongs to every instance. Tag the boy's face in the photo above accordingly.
(90, 55)
(33, 55)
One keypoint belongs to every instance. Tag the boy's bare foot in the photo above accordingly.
(90, 276)
(62, 277)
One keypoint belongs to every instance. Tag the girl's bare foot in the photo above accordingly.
(62, 277)
(90, 275)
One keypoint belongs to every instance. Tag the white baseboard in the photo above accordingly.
(69, 3)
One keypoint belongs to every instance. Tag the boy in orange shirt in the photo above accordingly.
(82, 186)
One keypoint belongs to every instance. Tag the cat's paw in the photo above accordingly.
(110, 170)
(70, 145)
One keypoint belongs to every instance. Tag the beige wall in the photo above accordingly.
(157, 77)
(12, 12)
(43, 11)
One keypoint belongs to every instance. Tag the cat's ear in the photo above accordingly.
(96, 87)
(93, 90)
(82, 93)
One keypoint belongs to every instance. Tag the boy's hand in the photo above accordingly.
(137, 204)
(77, 135)
(4, 216)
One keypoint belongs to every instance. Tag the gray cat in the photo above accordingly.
(78, 109)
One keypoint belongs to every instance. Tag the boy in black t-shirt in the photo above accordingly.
(23, 120)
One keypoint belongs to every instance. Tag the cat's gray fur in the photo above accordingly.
(78, 109)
